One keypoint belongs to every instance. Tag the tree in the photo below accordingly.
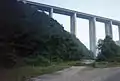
(107, 49)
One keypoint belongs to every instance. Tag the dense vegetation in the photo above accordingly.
(108, 50)
(28, 36)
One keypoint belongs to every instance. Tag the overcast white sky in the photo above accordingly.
(105, 8)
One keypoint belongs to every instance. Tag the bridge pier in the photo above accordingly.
(108, 29)
(119, 32)
(51, 12)
(92, 35)
(73, 24)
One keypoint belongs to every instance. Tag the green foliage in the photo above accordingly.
(101, 64)
(108, 50)
(37, 60)
(9, 60)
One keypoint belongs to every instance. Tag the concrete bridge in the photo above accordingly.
(74, 14)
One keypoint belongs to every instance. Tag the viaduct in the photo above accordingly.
(74, 14)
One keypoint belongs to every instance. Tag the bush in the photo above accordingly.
(37, 61)
(8, 60)
(100, 64)
(108, 50)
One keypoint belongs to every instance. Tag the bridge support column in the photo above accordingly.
(108, 29)
(73, 24)
(119, 32)
(92, 35)
(51, 13)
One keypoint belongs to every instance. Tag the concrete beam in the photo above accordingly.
(69, 12)
(51, 12)
(108, 29)
(73, 24)
(92, 35)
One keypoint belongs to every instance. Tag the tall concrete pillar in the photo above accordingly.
(108, 29)
(73, 24)
(92, 35)
(119, 32)
(51, 13)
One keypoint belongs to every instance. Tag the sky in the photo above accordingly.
(104, 8)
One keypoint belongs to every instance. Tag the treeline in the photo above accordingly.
(108, 50)
(28, 36)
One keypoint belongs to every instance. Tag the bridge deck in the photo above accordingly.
(69, 12)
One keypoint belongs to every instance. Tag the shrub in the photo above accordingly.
(37, 61)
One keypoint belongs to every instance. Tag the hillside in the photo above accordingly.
(30, 36)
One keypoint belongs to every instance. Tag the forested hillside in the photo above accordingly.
(28, 36)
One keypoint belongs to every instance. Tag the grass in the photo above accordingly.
(106, 64)
(100, 64)
(22, 73)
